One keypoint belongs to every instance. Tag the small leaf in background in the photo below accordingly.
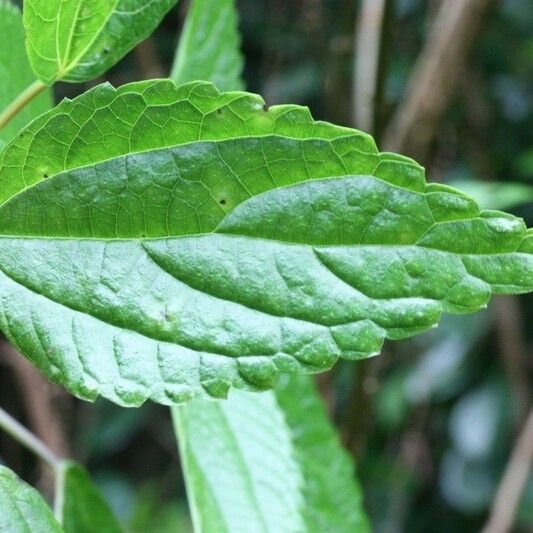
(494, 195)
(481, 420)
(209, 46)
(16, 73)
(211, 270)
(268, 462)
(78, 40)
(22, 508)
(84, 509)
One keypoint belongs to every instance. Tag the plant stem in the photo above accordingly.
(59, 494)
(16, 430)
(435, 76)
(21, 101)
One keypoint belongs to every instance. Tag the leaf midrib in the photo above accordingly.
(252, 238)
(166, 340)
(122, 327)
(173, 342)
(157, 339)
(64, 70)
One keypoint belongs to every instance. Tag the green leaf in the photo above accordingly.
(84, 510)
(78, 40)
(195, 240)
(238, 462)
(209, 46)
(22, 508)
(333, 498)
(16, 73)
(267, 462)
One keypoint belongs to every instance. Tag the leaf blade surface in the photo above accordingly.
(209, 46)
(268, 462)
(78, 40)
(240, 475)
(84, 509)
(332, 494)
(22, 508)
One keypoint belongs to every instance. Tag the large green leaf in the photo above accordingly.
(83, 508)
(15, 72)
(267, 462)
(78, 40)
(163, 242)
(209, 46)
(22, 508)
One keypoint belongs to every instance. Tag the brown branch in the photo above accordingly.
(435, 76)
(326, 388)
(366, 69)
(513, 482)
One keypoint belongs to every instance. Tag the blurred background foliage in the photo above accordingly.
(432, 421)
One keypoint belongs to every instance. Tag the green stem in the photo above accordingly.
(25, 437)
(21, 101)
(59, 494)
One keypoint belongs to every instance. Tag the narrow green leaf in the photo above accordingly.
(333, 498)
(22, 508)
(195, 240)
(15, 72)
(84, 510)
(209, 46)
(78, 40)
(238, 461)
(267, 462)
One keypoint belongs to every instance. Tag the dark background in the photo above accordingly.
(432, 422)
